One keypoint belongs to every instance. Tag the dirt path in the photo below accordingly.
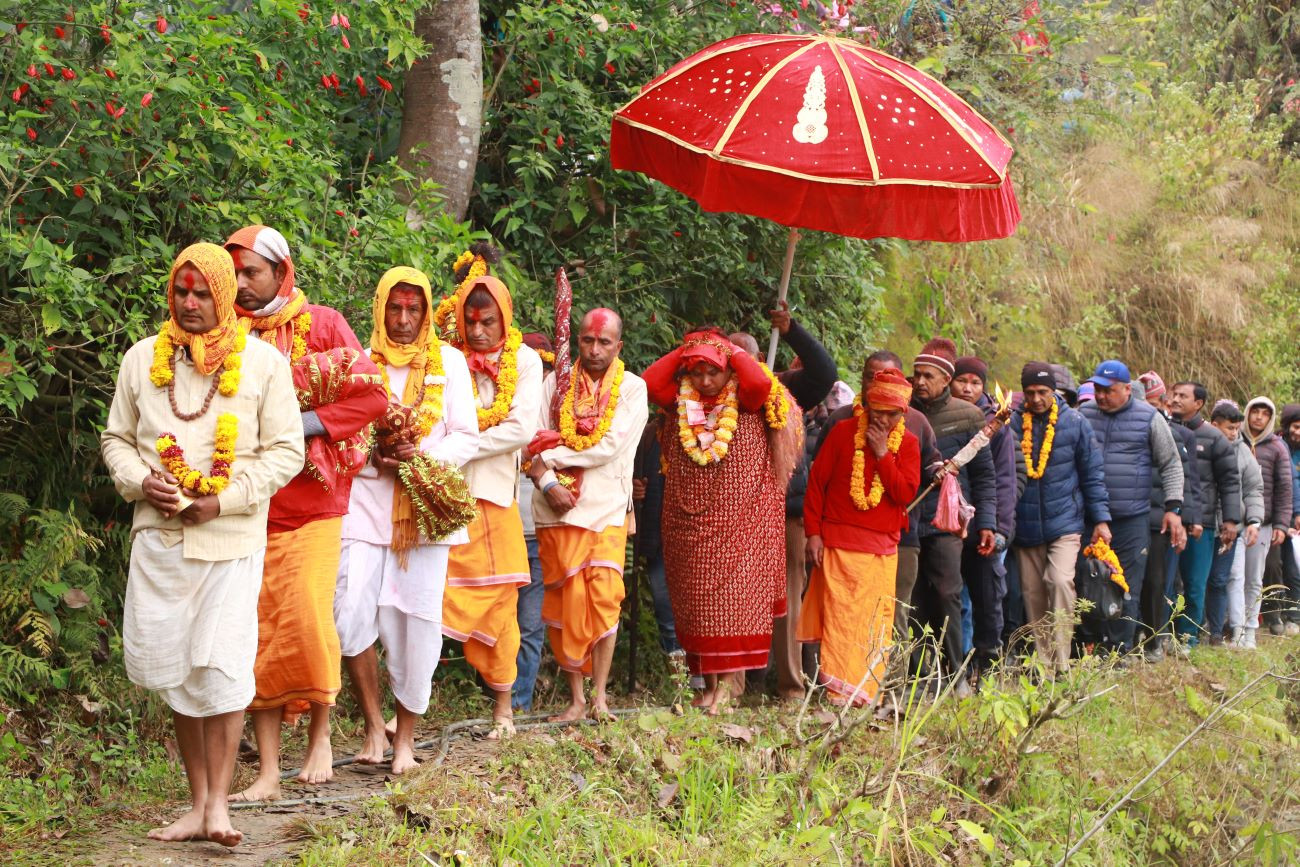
(273, 832)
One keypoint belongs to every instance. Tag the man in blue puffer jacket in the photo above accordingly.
(1065, 491)
(1135, 444)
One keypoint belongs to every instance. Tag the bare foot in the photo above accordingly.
(600, 712)
(372, 749)
(187, 827)
(721, 699)
(390, 728)
(219, 830)
(703, 698)
(318, 766)
(501, 729)
(262, 789)
(403, 759)
(575, 711)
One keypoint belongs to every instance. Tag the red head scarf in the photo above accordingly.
(889, 390)
(706, 345)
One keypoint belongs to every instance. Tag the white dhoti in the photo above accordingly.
(377, 599)
(190, 626)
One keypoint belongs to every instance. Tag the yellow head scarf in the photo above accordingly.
(403, 354)
(209, 349)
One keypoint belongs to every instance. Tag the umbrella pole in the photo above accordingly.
(786, 268)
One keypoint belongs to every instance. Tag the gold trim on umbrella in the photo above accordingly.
(856, 99)
(753, 94)
(822, 179)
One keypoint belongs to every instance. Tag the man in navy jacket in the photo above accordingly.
(1065, 492)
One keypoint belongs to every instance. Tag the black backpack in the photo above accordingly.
(1092, 582)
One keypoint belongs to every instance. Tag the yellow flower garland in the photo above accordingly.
(223, 457)
(863, 500)
(429, 410)
(161, 373)
(507, 382)
(728, 419)
(1027, 443)
(569, 424)
(301, 326)
(776, 409)
(1102, 551)
(546, 355)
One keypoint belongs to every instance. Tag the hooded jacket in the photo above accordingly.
(1220, 493)
(1251, 498)
(1274, 460)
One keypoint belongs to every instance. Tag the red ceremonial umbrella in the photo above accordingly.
(820, 132)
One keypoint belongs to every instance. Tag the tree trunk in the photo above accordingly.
(443, 102)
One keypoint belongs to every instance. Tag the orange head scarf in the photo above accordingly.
(209, 349)
(501, 295)
(889, 389)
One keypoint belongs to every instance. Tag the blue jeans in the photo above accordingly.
(1130, 540)
(1216, 590)
(663, 606)
(967, 621)
(1195, 564)
(532, 632)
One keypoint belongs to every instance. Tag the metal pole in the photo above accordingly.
(786, 268)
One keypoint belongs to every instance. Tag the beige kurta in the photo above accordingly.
(190, 620)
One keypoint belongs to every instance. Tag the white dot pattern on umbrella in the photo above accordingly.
(716, 94)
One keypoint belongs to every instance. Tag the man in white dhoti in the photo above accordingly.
(203, 429)
(391, 577)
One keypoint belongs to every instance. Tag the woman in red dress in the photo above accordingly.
(730, 436)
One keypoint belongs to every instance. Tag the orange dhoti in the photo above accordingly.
(480, 605)
(298, 662)
(583, 573)
(849, 608)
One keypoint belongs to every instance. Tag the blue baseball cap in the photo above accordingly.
(1110, 372)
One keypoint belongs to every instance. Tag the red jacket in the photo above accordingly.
(828, 509)
(304, 499)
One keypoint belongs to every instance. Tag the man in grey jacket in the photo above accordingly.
(1224, 593)
(1220, 490)
(1263, 560)
(1135, 445)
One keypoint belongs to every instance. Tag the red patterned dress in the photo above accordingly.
(724, 549)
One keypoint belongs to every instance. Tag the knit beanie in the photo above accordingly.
(939, 352)
(1038, 373)
(1290, 413)
(971, 364)
(1155, 386)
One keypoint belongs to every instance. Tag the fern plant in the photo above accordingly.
(49, 612)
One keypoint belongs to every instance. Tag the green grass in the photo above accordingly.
(975, 782)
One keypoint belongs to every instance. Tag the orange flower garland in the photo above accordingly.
(863, 499)
(569, 425)
(507, 382)
(776, 409)
(162, 372)
(1102, 551)
(1027, 443)
(722, 432)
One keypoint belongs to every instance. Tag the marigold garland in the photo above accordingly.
(546, 355)
(1027, 443)
(428, 406)
(162, 372)
(1101, 550)
(776, 409)
(301, 325)
(223, 458)
(507, 382)
(863, 499)
(569, 424)
(725, 428)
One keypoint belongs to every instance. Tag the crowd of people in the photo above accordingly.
(301, 500)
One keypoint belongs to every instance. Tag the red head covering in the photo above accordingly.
(889, 390)
(706, 345)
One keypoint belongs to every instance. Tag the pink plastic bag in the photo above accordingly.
(953, 513)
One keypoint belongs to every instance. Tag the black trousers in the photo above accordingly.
(1281, 585)
(937, 595)
(986, 580)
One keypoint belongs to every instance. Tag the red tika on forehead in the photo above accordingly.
(237, 259)
(478, 314)
(187, 278)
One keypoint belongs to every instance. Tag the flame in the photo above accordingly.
(1002, 398)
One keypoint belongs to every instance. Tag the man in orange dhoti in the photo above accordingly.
(863, 478)
(480, 605)
(298, 663)
(582, 468)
